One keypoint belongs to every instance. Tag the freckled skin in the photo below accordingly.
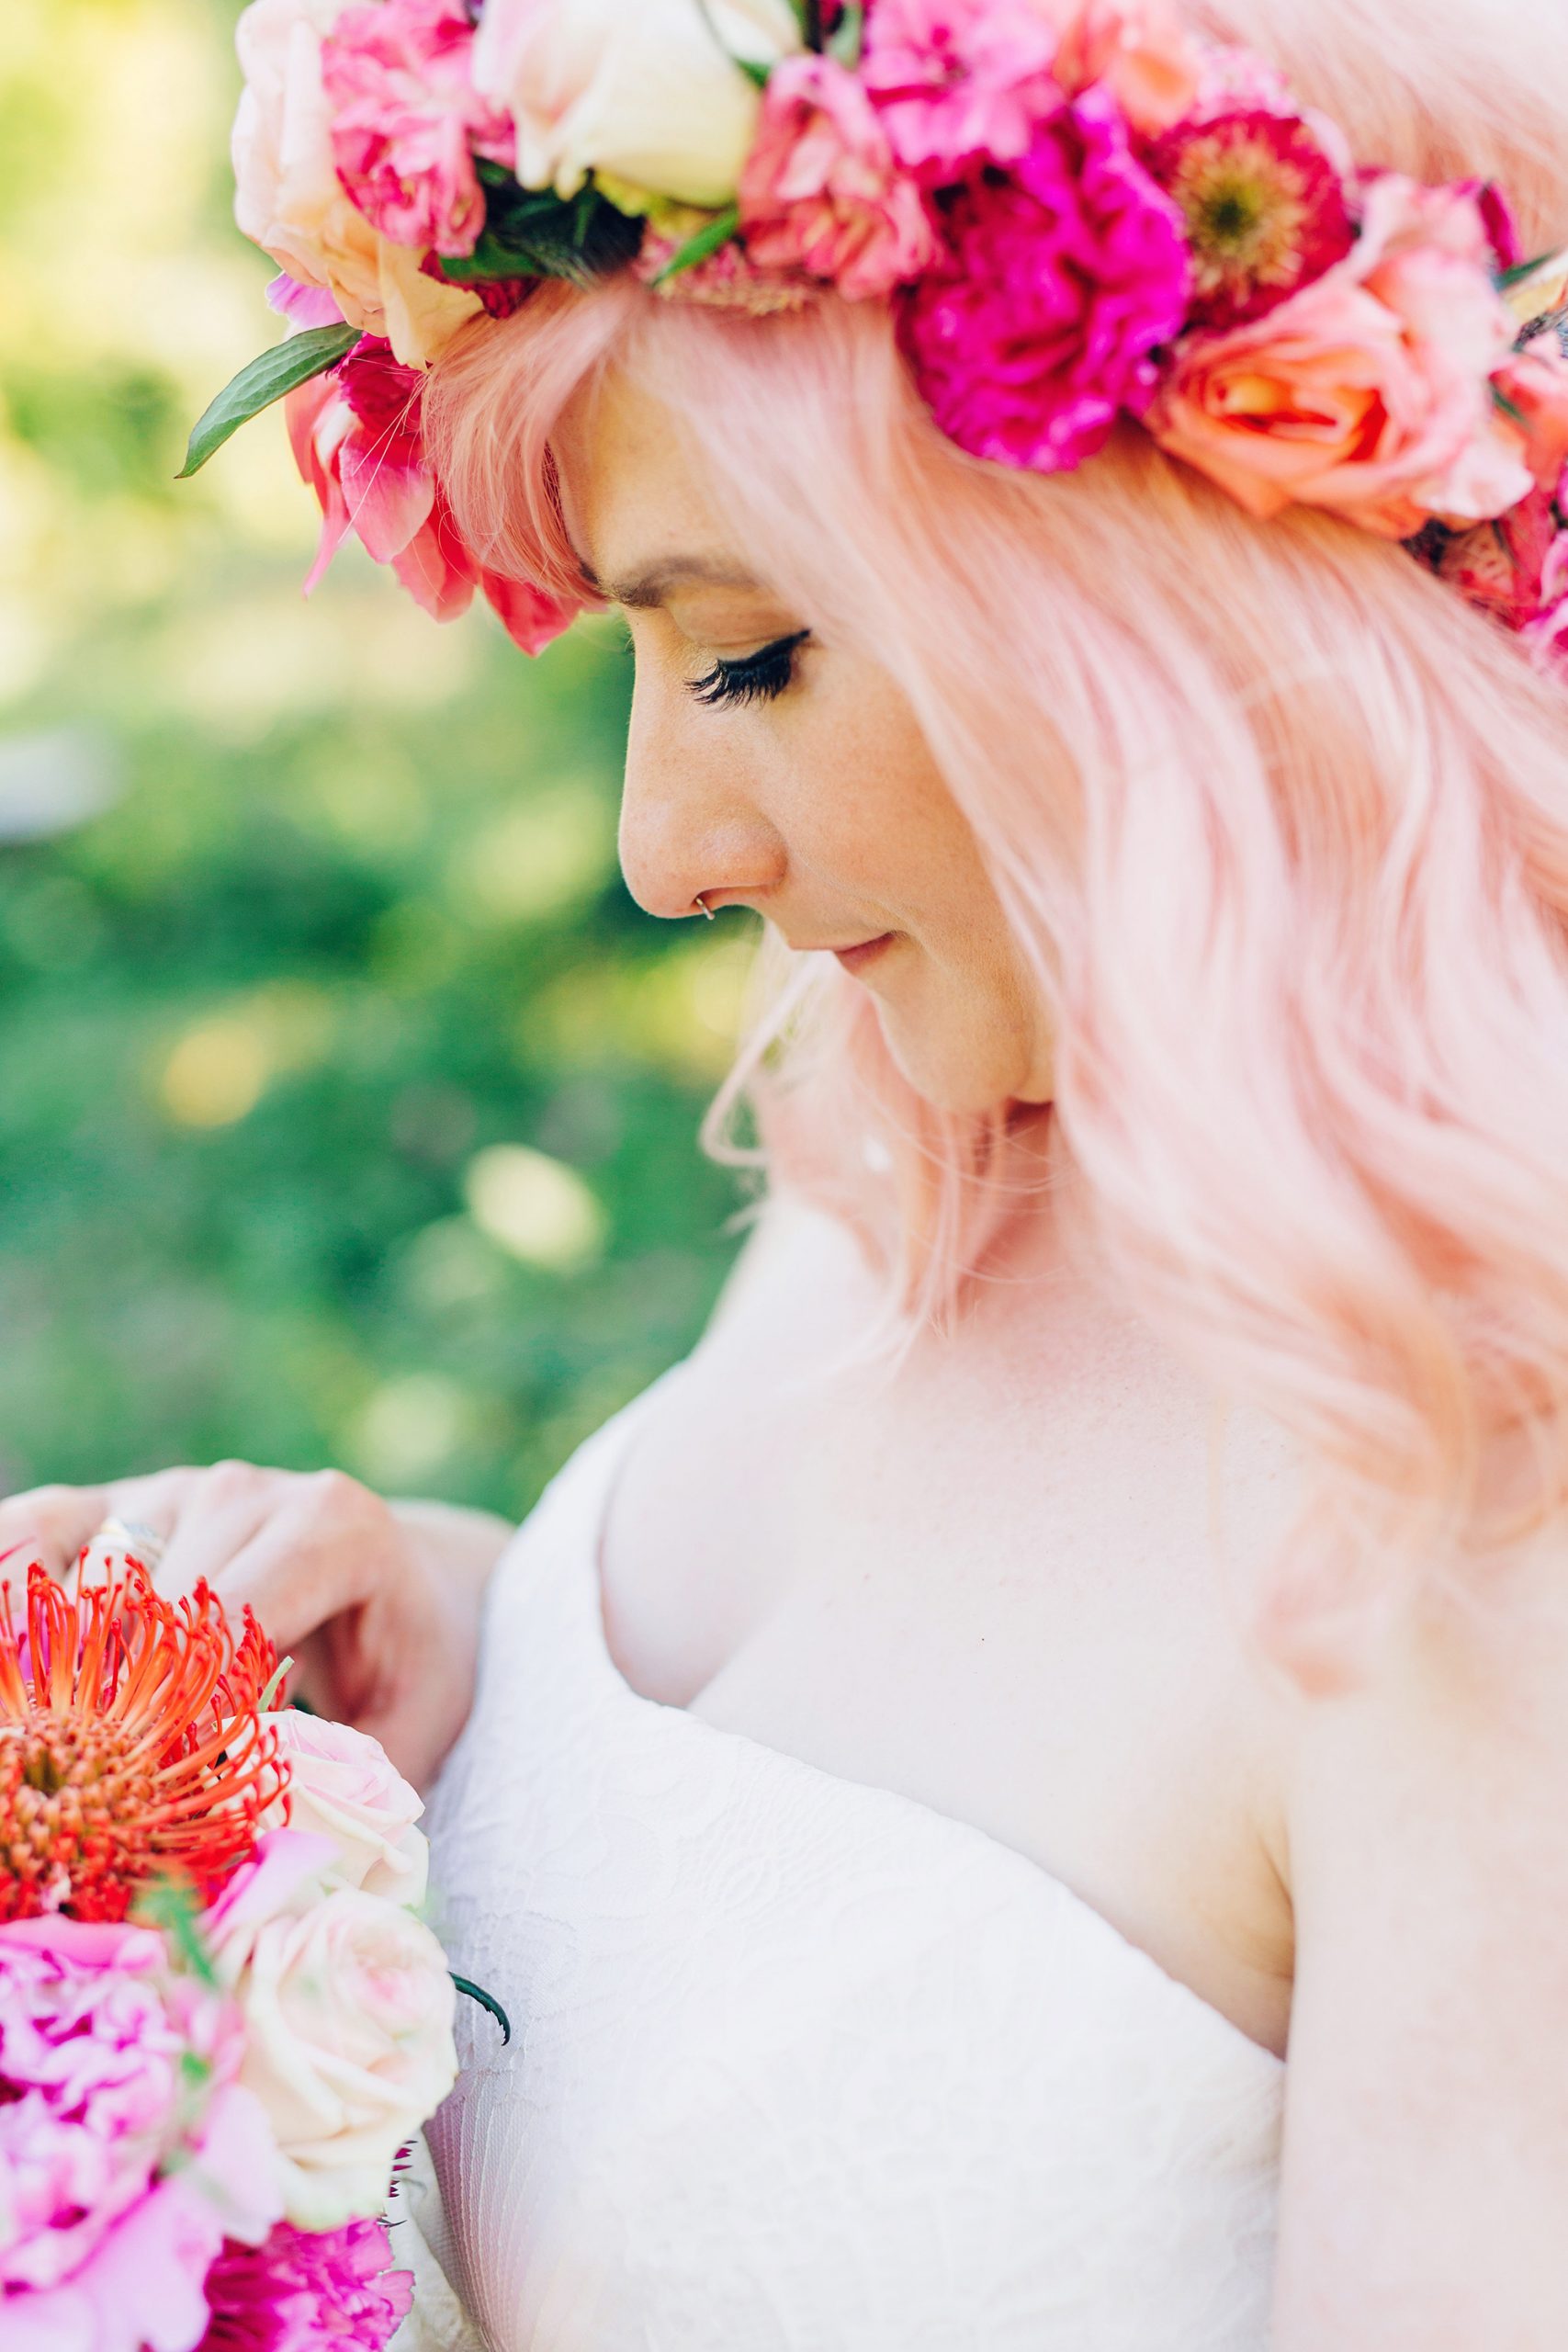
(823, 808)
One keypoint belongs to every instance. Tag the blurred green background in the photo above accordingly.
(347, 1103)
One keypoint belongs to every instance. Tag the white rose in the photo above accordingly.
(347, 2006)
(341, 1786)
(290, 201)
(646, 91)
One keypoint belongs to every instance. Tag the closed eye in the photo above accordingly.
(758, 677)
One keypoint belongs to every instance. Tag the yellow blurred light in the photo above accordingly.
(408, 1428)
(538, 858)
(535, 1207)
(216, 1074)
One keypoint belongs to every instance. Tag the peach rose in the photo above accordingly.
(348, 2007)
(1369, 391)
(290, 200)
(341, 1786)
(649, 96)
(1139, 49)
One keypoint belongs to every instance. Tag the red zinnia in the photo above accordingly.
(1265, 210)
(130, 1743)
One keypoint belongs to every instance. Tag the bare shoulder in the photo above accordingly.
(1427, 2168)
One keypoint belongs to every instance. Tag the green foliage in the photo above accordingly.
(281, 369)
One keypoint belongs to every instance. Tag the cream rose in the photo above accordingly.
(341, 1786)
(290, 201)
(348, 2010)
(644, 91)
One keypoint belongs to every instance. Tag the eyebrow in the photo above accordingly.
(652, 585)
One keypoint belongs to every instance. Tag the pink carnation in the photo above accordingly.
(357, 440)
(821, 192)
(407, 120)
(1369, 392)
(1058, 283)
(318, 2290)
(959, 82)
(127, 2150)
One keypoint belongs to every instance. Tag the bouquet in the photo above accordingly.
(221, 2017)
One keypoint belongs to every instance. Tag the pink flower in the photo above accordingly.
(342, 1787)
(1535, 385)
(959, 82)
(1502, 565)
(1141, 51)
(1058, 283)
(357, 440)
(290, 200)
(326, 2290)
(303, 306)
(1369, 392)
(406, 122)
(1546, 633)
(821, 192)
(1264, 208)
(127, 2149)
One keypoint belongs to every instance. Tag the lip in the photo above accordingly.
(856, 958)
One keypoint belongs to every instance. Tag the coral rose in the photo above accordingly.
(290, 200)
(652, 97)
(1142, 52)
(341, 1786)
(1038, 323)
(1369, 392)
(821, 192)
(406, 122)
(348, 2007)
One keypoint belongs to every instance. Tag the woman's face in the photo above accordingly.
(769, 768)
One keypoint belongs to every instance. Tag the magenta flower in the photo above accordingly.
(821, 192)
(1264, 208)
(319, 2290)
(1059, 282)
(406, 122)
(959, 82)
(127, 2151)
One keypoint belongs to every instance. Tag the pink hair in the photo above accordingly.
(1281, 822)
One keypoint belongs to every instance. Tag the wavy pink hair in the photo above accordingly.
(1282, 824)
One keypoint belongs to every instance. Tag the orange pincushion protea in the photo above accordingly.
(130, 1743)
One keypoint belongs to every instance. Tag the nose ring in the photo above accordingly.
(701, 901)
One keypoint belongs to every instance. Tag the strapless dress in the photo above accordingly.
(798, 2064)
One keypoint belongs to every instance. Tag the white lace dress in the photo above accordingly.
(798, 2063)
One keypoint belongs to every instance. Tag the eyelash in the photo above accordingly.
(759, 678)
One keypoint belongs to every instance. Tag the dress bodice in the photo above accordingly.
(799, 2064)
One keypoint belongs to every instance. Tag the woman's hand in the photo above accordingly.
(377, 1601)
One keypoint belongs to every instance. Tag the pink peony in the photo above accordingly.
(1369, 392)
(1038, 323)
(290, 200)
(821, 192)
(327, 2290)
(127, 2150)
(959, 82)
(1264, 206)
(406, 122)
(357, 440)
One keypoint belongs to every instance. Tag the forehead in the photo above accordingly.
(631, 486)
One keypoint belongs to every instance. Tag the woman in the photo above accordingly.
(1091, 1613)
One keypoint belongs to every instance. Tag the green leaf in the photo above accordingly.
(169, 1905)
(844, 41)
(287, 365)
(706, 239)
(1501, 399)
(486, 2001)
(533, 232)
(1521, 270)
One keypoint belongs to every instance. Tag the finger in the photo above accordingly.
(48, 1523)
(221, 1513)
(323, 1552)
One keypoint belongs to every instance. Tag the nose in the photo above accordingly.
(691, 816)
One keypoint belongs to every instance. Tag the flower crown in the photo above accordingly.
(1077, 210)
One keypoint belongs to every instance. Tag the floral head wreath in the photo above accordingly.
(1077, 210)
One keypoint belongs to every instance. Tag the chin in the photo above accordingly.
(963, 1074)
